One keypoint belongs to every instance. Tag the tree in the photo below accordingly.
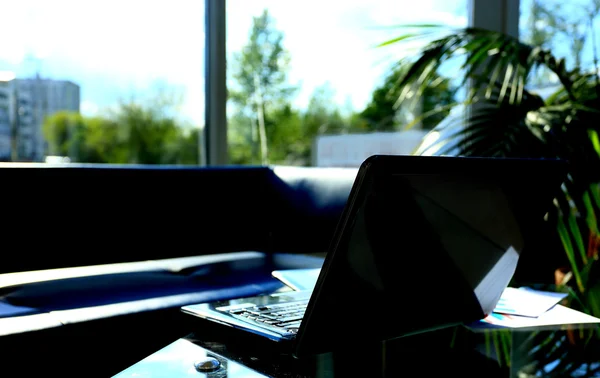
(286, 134)
(58, 131)
(98, 140)
(284, 131)
(188, 146)
(552, 23)
(322, 114)
(150, 139)
(83, 139)
(385, 113)
(240, 139)
(260, 72)
(132, 134)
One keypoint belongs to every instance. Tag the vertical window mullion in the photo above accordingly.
(214, 141)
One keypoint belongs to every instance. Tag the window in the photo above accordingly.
(102, 81)
(567, 29)
(112, 61)
(307, 86)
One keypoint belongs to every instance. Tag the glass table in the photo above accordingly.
(464, 351)
(458, 351)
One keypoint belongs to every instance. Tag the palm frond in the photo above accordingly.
(508, 120)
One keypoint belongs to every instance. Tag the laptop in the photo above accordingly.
(423, 243)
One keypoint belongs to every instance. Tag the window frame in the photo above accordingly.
(499, 15)
(214, 142)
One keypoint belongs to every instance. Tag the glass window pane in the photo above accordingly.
(102, 81)
(566, 28)
(308, 86)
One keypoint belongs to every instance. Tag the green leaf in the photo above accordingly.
(590, 213)
(414, 72)
(433, 112)
(397, 39)
(498, 66)
(574, 227)
(595, 140)
(479, 55)
(593, 299)
(595, 192)
(568, 246)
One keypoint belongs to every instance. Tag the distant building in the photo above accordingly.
(5, 110)
(350, 150)
(37, 99)
(24, 104)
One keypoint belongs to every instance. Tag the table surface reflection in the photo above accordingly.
(570, 351)
(556, 351)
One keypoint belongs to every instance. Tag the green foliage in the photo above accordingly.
(559, 24)
(262, 66)
(241, 140)
(133, 134)
(511, 121)
(58, 130)
(261, 90)
(322, 115)
(149, 139)
(290, 132)
(385, 113)
(286, 136)
(262, 101)
(284, 133)
(264, 128)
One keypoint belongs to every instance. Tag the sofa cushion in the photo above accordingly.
(169, 283)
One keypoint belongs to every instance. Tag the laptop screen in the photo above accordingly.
(425, 243)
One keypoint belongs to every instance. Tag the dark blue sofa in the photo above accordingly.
(98, 259)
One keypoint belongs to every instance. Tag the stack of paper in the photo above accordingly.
(526, 308)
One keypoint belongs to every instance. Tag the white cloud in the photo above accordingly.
(107, 46)
(115, 47)
(334, 41)
(88, 108)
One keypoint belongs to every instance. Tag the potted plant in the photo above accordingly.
(506, 119)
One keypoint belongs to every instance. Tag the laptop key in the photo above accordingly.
(292, 325)
(290, 319)
(285, 313)
(254, 312)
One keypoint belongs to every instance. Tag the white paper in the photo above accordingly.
(527, 302)
(298, 279)
(557, 316)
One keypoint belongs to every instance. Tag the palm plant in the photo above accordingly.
(506, 119)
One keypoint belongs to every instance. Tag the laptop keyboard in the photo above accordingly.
(287, 316)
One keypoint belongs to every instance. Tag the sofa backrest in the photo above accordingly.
(61, 216)
(311, 202)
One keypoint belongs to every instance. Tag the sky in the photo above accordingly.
(335, 43)
(574, 11)
(118, 49)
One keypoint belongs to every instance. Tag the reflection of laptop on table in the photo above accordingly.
(418, 235)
